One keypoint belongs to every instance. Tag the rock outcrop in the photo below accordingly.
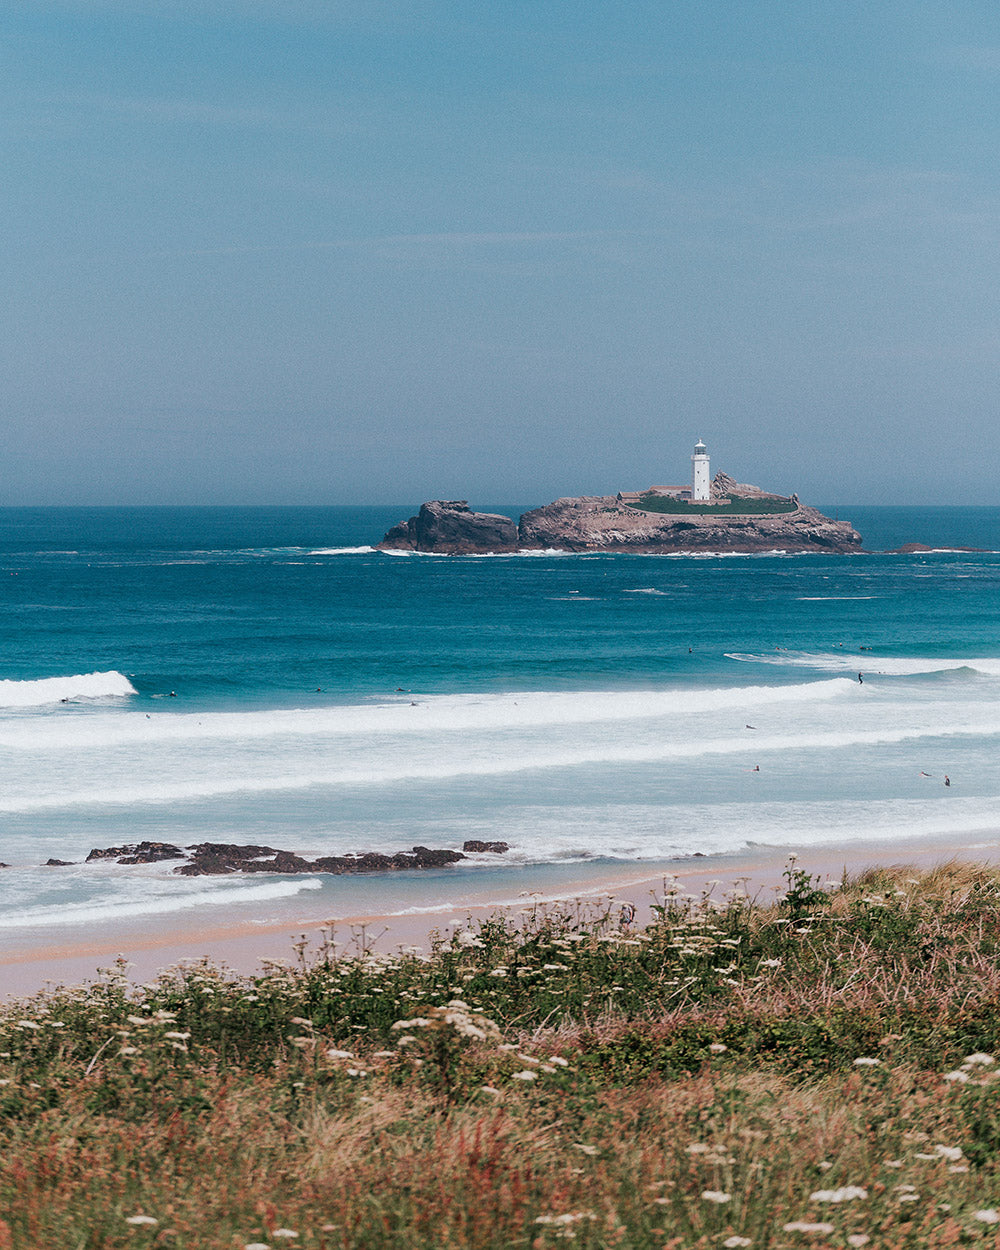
(608, 523)
(601, 523)
(214, 859)
(450, 526)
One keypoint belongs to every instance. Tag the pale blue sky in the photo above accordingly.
(308, 252)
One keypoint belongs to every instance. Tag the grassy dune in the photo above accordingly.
(816, 1072)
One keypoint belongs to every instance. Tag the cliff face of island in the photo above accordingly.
(739, 518)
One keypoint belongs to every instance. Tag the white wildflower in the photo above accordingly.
(28, 1024)
(978, 1060)
(956, 1078)
(524, 1076)
(717, 1048)
(284, 1232)
(953, 1153)
(987, 1216)
(802, 1226)
(140, 1219)
(584, 1148)
(715, 1195)
(865, 1061)
(846, 1194)
(858, 1239)
(731, 1243)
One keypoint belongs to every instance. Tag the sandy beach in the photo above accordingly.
(246, 946)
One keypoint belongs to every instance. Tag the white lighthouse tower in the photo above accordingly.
(700, 480)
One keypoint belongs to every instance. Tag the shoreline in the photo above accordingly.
(243, 946)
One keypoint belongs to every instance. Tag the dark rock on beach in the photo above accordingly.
(140, 853)
(208, 859)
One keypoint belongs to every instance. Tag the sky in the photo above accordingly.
(383, 251)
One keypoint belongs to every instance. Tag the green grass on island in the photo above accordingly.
(815, 1068)
(739, 507)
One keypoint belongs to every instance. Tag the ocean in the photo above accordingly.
(261, 675)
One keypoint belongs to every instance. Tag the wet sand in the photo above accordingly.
(245, 946)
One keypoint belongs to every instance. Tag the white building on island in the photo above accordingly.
(701, 480)
(700, 490)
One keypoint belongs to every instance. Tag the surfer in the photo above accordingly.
(751, 726)
(947, 780)
(861, 680)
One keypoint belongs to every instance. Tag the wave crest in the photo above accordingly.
(110, 685)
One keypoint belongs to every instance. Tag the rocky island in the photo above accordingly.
(734, 517)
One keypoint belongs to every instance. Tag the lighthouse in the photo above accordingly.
(700, 479)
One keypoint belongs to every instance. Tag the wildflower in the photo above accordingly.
(801, 1226)
(524, 1076)
(584, 1148)
(697, 1148)
(139, 1020)
(129, 1050)
(858, 1239)
(177, 1037)
(732, 1242)
(256, 1245)
(340, 1054)
(284, 1232)
(846, 1194)
(559, 1061)
(718, 1048)
(987, 1216)
(715, 1195)
(769, 963)
(956, 1078)
(140, 1219)
(893, 1163)
(948, 1152)
(489, 1089)
(865, 1061)
(978, 1060)
(28, 1024)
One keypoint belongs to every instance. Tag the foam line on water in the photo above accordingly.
(153, 905)
(44, 690)
(392, 770)
(432, 714)
(342, 551)
(890, 666)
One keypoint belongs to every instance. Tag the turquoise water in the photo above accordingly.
(263, 675)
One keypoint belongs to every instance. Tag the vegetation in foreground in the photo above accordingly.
(815, 1072)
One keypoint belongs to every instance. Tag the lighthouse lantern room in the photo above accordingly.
(700, 480)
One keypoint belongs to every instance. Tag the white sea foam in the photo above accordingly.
(107, 911)
(15, 694)
(342, 551)
(410, 715)
(869, 662)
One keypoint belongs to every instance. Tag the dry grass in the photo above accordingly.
(704, 1090)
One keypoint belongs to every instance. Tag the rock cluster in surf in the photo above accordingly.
(609, 523)
(219, 858)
